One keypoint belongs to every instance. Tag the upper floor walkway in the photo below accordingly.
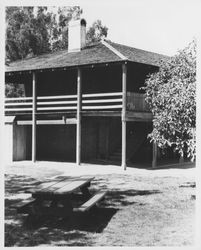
(94, 103)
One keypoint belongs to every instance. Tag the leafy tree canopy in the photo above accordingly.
(59, 38)
(33, 31)
(14, 90)
(171, 95)
(96, 32)
(27, 33)
(36, 30)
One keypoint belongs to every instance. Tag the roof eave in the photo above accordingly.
(90, 65)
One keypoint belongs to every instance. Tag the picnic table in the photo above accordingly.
(60, 197)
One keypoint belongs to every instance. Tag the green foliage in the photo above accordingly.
(33, 31)
(59, 40)
(26, 33)
(14, 90)
(96, 32)
(171, 95)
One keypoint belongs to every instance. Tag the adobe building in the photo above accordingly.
(82, 104)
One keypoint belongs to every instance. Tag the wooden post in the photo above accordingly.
(124, 89)
(34, 104)
(154, 159)
(78, 126)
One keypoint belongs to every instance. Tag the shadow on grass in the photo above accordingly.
(123, 198)
(75, 230)
(19, 183)
(93, 221)
(17, 235)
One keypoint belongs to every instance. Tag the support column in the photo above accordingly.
(34, 103)
(79, 108)
(8, 142)
(124, 90)
(154, 157)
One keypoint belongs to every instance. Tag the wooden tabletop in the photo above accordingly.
(64, 186)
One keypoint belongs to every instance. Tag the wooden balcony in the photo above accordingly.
(98, 102)
(64, 103)
(136, 102)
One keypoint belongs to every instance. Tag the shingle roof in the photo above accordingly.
(93, 54)
(139, 55)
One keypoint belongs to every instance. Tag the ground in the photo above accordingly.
(142, 207)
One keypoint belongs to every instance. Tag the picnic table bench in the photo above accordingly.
(60, 198)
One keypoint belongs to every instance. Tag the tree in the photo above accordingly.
(14, 90)
(35, 30)
(96, 32)
(59, 40)
(32, 31)
(28, 31)
(171, 94)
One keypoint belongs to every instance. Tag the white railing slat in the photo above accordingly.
(56, 103)
(56, 97)
(58, 108)
(87, 99)
(102, 107)
(20, 109)
(19, 104)
(102, 101)
(102, 94)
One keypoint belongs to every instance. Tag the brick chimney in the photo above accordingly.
(76, 35)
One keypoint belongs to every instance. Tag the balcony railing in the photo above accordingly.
(90, 102)
(97, 101)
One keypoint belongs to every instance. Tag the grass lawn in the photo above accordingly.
(139, 210)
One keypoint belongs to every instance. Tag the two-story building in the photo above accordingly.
(82, 104)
